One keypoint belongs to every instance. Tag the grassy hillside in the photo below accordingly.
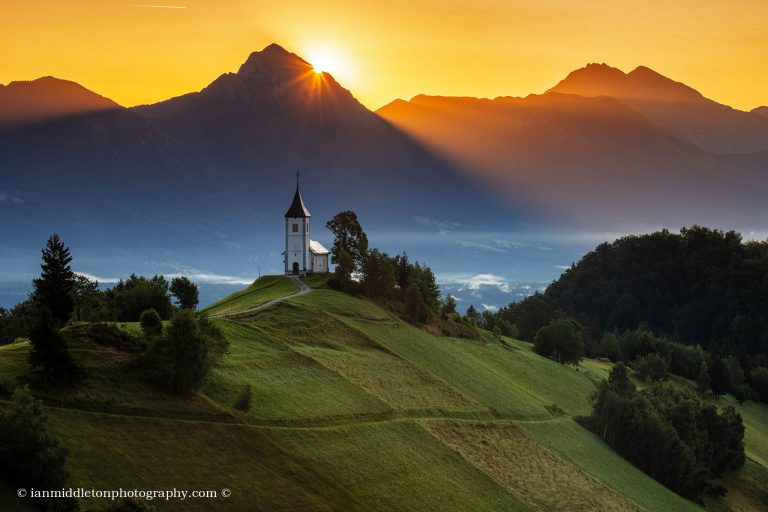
(264, 289)
(354, 409)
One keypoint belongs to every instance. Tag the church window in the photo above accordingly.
(295, 228)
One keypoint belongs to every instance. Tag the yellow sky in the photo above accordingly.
(144, 51)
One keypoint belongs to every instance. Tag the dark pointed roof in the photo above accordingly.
(297, 209)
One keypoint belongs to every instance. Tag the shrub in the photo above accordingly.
(243, 402)
(110, 335)
(29, 455)
(179, 360)
(151, 323)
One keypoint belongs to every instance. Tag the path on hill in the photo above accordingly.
(303, 290)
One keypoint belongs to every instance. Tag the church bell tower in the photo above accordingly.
(298, 260)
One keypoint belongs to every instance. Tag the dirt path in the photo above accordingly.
(303, 290)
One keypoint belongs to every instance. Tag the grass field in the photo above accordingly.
(264, 289)
(354, 409)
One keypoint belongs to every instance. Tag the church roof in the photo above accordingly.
(297, 209)
(317, 248)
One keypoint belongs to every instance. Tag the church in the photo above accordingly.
(302, 254)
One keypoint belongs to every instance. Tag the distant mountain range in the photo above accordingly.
(199, 183)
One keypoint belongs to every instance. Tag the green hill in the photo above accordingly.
(354, 409)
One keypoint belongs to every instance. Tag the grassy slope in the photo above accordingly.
(341, 393)
(262, 290)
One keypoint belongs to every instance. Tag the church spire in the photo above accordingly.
(297, 209)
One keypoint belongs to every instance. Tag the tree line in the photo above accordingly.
(408, 288)
(694, 304)
(670, 434)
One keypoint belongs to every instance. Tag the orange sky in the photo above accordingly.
(147, 50)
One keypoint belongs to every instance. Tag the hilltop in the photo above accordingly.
(354, 409)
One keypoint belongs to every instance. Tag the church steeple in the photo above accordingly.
(297, 209)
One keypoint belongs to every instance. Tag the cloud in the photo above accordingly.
(562, 267)
(444, 227)
(10, 198)
(207, 278)
(478, 245)
(161, 6)
(198, 277)
(490, 307)
(92, 277)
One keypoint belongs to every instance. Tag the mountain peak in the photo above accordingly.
(271, 57)
(642, 83)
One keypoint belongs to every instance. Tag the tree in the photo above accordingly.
(185, 291)
(449, 306)
(29, 455)
(151, 324)
(609, 346)
(759, 382)
(89, 302)
(651, 366)
(703, 381)
(378, 275)
(416, 309)
(49, 352)
(53, 289)
(471, 315)
(127, 299)
(180, 360)
(560, 340)
(349, 238)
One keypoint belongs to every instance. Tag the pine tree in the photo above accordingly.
(703, 380)
(53, 290)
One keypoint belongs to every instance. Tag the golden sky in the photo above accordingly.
(144, 51)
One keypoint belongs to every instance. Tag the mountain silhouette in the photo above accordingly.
(676, 107)
(202, 180)
(761, 111)
(207, 175)
(47, 98)
(593, 159)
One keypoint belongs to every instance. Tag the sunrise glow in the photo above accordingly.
(147, 52)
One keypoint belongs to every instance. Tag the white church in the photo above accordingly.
(302, 254)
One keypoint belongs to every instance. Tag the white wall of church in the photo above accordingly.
(297, 245)
(320, 263)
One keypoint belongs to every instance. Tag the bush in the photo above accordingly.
(243, 402)
(179, 360)
(29, 455)
(561, 341)
(112, 336)
(151, 323)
